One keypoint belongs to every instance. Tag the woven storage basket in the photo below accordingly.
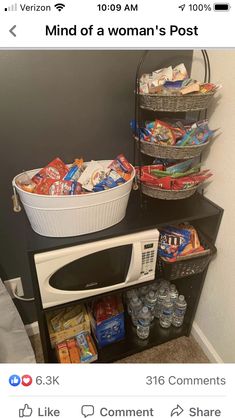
(174, 103)
(188, 265)
(171, 151)
(167, 194)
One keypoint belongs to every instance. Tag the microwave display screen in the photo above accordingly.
(100, 269)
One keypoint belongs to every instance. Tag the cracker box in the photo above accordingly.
(107, 320)
(64, 323)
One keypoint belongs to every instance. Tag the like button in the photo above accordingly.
(26, 411)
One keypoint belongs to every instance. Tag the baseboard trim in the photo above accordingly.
(205, 344)
(32, 329)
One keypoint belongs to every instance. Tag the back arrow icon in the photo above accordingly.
(12, 30)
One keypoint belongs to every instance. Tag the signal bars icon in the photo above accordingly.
(12, 8)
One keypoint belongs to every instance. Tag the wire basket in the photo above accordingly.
(171, 151)
(174, 103)
(167, 194)
(188, 265)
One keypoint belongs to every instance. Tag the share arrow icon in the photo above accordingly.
(177, 411)
(182, 7)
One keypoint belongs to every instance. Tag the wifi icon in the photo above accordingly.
(59, 6)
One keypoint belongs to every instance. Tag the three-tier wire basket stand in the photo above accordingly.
(171, 104)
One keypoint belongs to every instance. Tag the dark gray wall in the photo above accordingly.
(66, 104)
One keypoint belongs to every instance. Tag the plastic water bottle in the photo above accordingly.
(143, 326)
(134, 304)
(173, 292)
(179, 311)
(130, 294)
(143, 292)
(161, 296)
(155, 286)
(150, 301)
(165, 284)
(135, 307)
(167, 313)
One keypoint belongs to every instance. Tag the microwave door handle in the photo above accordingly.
(134, 271)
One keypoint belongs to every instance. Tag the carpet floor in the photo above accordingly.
(180, 350)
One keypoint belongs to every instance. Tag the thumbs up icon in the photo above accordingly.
(26, 411)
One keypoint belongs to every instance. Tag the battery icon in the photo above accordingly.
(221, 7)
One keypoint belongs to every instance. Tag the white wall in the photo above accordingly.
(215, 319)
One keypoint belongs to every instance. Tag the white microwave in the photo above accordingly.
(86, 270)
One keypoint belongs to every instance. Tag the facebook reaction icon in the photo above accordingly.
(14, 380)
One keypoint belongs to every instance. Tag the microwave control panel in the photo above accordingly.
(149, 257)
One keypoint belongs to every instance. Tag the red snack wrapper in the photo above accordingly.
(121, 164)
(190, 181)
(105, 308)
(207, 87)
(60, 187)
(124, 164)
(162, 183)
(55, 170)
(148, 169)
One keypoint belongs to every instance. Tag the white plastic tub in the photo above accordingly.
(67, 216)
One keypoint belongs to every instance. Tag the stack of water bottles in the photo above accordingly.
(159, 300)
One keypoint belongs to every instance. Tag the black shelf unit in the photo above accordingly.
(197, 209)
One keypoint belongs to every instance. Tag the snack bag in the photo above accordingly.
(26, 184)
(112, 180)
(75, 171)
(191, 181)
(73, 351)
(194, 245)
(162, 132)
(160, 76)
(208, 87)
(60, 188)
(179, 72)
(55, 170)
(86, 347)
(121, 164)
(63, 352)
(172, 241)
(93, 174)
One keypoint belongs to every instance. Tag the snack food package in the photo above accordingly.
(172, 241)
(55, 170)
(61, 187)
(75, 170)
(86, 347)
(208, 87)
(160, 76)
(121, 164)
(26, 184)
(190, 181)
(179, 72)
(112, 180)
(62, 352)
(191, 88)
(93, 174)
(162, 132)
(105, 308)
(73, 351)
(162, 183)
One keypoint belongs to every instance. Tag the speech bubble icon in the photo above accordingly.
(88, 410)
